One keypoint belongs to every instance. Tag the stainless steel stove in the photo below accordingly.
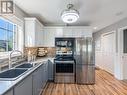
(64, 70)
(64, 61)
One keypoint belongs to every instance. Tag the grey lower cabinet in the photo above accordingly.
(10, 92)
(40, 78)
(37, 81)
(43, 76)
(45, 73)
(24, 87)
(50, 71)
(33, 84)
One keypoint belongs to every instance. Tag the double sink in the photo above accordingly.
(15, 73)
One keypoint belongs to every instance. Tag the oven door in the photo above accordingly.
(64, 68)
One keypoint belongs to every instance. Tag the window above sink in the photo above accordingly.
(11, 36)
(7, 35)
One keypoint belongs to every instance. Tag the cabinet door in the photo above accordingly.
(33, 32)
(50, 70)
(49, 37)
(43, 77)
(72, 32)
(10, 92)
(39, 34)
(86, 32)
(29, 33)
(59, 32)
(39, 38)
(46, 70)
(77, 32)
(45, 74)
(67, 32)
(37, 82)
(24, 87)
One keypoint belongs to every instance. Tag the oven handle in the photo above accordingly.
(69, 62)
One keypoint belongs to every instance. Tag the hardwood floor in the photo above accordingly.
(106, 84)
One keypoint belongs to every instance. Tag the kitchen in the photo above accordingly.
(56, 50)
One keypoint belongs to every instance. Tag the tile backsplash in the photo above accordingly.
(51, 51)
(40, 51)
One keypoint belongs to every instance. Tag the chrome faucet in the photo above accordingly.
(10, 56)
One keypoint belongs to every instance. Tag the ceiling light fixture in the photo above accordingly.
(70, 15)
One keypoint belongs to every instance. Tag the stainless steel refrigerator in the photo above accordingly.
(85, 65)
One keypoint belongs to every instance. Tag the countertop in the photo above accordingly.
(7, 85)
(44, 59)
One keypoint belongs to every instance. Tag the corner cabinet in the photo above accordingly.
(33, 32)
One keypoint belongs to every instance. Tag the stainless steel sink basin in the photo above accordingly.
(25, 65)
(12, 74)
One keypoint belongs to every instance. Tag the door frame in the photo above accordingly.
(121, 56)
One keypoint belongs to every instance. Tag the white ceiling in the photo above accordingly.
(95, 13)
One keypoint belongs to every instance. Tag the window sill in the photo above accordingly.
(5, 55)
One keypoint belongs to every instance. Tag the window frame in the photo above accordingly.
(7, 32)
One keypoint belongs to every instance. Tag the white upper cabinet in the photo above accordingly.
(59, 32)
(77, 32)
(49, 37)
(33, 32)
(36, 35)
(67, 32)
(50, 33)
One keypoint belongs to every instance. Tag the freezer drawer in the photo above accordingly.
(85, 74)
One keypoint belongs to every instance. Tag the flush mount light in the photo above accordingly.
(70, 15)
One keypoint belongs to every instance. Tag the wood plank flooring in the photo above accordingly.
(105, 84)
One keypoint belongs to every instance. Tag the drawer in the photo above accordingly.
(64, 79)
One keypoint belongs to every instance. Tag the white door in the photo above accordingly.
(108, 51)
